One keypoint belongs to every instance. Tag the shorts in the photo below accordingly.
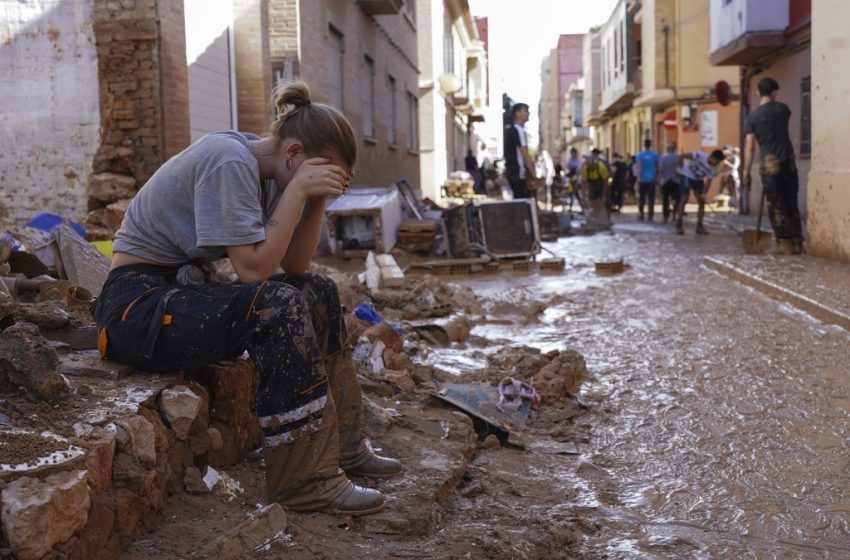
(687, 185)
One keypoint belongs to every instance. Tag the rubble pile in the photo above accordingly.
(93, 503)
(555, 375)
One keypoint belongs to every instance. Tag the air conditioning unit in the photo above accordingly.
(502, 228)
(380, 7)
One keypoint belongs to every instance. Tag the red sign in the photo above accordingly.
(723, 92)
(670, 121)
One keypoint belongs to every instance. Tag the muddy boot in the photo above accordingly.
(679, 229)
(784, 247)
(304, 474)
(798, 248)
(356, 456)
(375, 466)
(701, 230)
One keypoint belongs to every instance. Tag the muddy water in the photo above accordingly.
(719, 418)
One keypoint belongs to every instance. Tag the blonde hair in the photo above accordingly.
(319, 127)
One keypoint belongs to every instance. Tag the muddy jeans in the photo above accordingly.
(294, 332)
(781, 184)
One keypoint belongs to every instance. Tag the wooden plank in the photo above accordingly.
(82, 263)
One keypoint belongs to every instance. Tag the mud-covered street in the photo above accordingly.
(718, 416)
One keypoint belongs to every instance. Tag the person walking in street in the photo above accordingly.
(698, 169)
(519, 166)
(594, 177)
(648, 174)
(670, 182)
(471, 164)
(573, 176)
(767, 124)
(619, 172)
(260, 202)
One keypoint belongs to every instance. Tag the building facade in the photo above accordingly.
(111, 92)
(452, 90)
(759, 38)
(560, 70)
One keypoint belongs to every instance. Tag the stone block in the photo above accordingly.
(180, 406)
(110, 187)
(267, 523)
(141, 440)
(38, 514)
(99, 456)
(28, 362)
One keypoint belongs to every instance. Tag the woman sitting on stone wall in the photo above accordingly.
(261, 203)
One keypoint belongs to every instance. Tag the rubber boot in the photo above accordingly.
(304, 475)
(355, 454)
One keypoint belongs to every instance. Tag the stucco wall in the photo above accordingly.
(50, 112)
(828, 195)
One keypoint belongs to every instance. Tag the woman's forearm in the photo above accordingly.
(305, 238)
(257, 261)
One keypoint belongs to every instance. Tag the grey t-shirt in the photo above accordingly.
(670, 167)
(204, 199)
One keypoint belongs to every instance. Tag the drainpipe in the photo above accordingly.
(666, 29)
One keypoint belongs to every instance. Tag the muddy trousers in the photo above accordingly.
(669, 194)
(781, 189)
(294, 332)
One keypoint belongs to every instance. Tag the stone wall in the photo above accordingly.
(49, 115)
(92, 507)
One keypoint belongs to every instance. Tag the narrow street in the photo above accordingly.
(718, 415)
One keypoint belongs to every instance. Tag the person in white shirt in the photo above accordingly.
(697, 170)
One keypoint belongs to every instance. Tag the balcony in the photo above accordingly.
(380, 7)
(743, 31)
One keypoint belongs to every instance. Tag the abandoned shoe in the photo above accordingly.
(376, 466)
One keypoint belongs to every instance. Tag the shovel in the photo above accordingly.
(754, 242)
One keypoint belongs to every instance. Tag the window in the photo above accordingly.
(616, 51)
(412, 122)
(368, 97)
(623, 47)
(335, 50)
(391, 133)
(806, 117)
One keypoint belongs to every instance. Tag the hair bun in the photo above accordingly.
(292, 94)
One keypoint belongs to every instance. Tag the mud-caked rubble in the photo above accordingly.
(105, 452)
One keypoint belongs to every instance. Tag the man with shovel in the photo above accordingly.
(768, 125)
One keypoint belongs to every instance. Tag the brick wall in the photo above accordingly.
(131, 142)
(283, 38)
(253, 67)
(391, 42)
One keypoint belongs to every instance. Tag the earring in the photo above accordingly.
(289, 164)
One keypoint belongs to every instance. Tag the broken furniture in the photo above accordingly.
(364, 219)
